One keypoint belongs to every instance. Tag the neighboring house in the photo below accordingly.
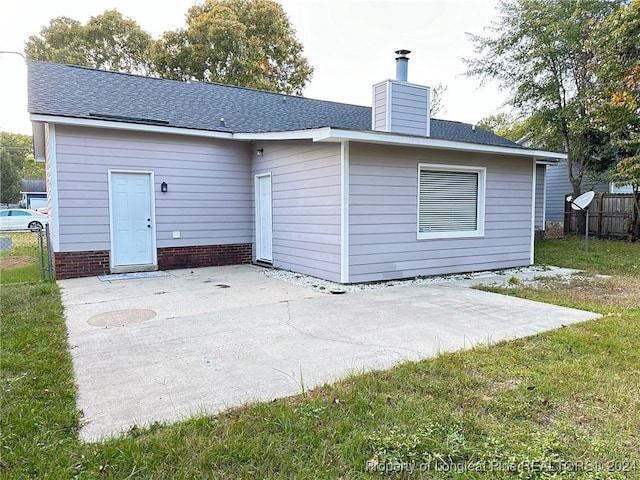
(540, 219)
(623, 189)
(145, 174)
(34, 193)
(558, 187)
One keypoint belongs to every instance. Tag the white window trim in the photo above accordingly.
(482, 182)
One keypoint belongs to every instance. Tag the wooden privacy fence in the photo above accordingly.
(609, 214)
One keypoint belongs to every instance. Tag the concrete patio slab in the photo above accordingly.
(222, 336)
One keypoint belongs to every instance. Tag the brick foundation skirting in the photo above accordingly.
(204, 256)
(80, 264)
(88, 264)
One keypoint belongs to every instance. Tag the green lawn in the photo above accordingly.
(22, 262)
(563, 404)
(610, 257)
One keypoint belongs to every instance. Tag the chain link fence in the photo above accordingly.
(22, 251)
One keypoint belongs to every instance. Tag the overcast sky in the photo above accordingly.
(350, 44)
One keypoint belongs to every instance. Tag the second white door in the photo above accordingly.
(264, 219)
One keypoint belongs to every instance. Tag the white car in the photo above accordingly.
(21, 219)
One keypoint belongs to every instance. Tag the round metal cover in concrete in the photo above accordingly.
(119, 318)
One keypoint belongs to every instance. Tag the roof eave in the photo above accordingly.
(137, 127)
(328, 134)
(323, 134)
(550, 161)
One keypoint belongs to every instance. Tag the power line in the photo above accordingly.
(14, 53)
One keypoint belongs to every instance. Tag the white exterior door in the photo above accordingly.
(132, 221)
(264, 229)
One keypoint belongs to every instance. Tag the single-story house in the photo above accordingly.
(33, 192)
(145, 174)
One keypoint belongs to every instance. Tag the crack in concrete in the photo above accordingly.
(337, 340)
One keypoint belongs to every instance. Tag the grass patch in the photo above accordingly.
(22, 262)
(37, 412)
(560, 404)
(608, 257)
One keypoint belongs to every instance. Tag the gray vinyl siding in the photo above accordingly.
(401, 108)
(305, 185)
(409, 109)
(383, 241)
(540, 213)
(379, 110)
(558, 187)
(210, 190)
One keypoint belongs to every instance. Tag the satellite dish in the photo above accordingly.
(583, 201)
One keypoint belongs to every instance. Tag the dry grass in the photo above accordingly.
(15, 261)
(611, 292)
(22, 239)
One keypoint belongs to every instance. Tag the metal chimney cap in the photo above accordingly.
(402, 65)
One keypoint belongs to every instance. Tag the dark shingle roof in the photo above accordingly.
(72, 91)
(32, 185)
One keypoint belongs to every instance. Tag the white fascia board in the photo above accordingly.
(136, 127)
(335, 135)
(327, 134)
(315, 134)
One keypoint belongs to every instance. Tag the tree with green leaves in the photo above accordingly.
(506, 126)
(109, 42)
(617, 67)
(62, 41)
(248, 43)
(540, 52)
(16, 163)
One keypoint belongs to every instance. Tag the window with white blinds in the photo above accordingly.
(450, 201)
